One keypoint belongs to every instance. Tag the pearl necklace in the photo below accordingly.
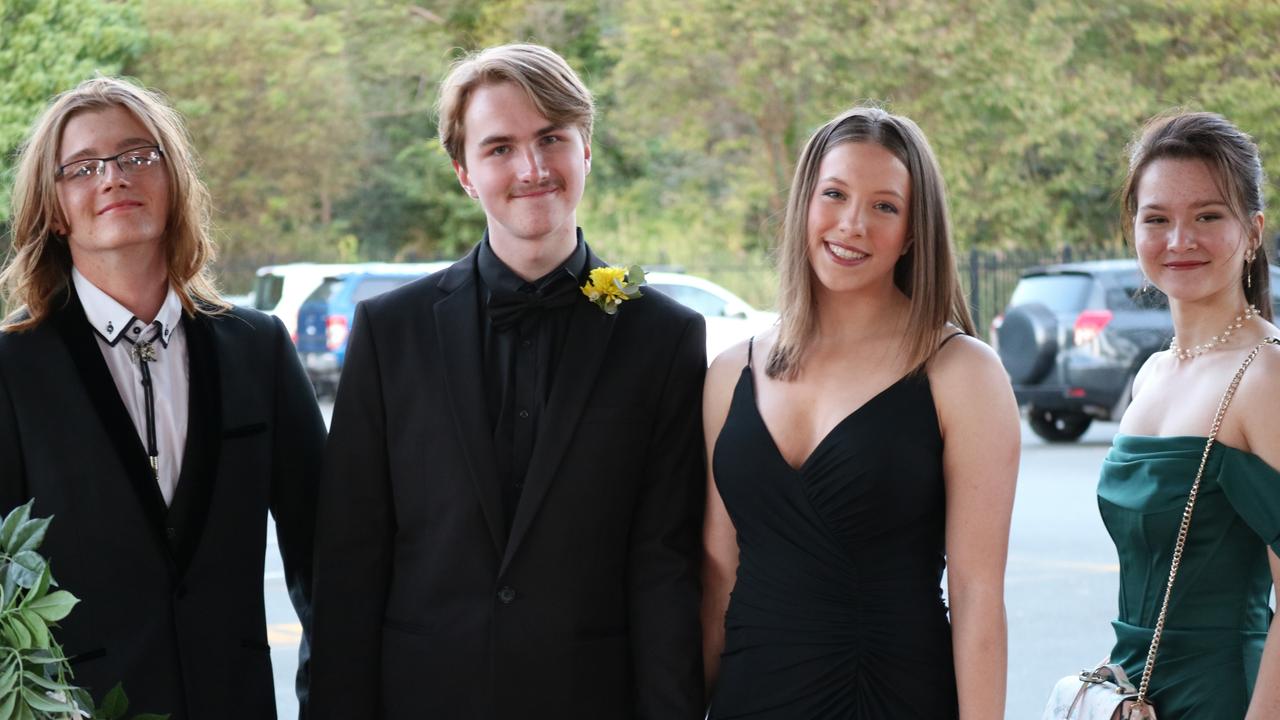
(1190, 353)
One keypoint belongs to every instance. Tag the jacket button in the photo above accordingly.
(507, 595)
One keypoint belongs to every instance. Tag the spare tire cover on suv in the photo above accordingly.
(1028, 342)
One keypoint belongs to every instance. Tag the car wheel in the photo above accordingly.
(1028, 343)
(1058, 425)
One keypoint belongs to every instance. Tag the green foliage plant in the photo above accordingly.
(35, 675)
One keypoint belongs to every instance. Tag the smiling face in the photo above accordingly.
(1189, 243)
(111, 212)
(527, 172)
(857, 218)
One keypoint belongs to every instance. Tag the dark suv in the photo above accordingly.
(1073, 337)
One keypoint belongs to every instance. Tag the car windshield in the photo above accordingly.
(327, 292)
(1060, 293)
(370, 287)
(266, 292)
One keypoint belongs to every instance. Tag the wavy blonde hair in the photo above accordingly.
(39, 264)
(926, 273)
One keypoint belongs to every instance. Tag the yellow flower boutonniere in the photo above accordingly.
(609, 287)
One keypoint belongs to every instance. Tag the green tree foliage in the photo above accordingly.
(47, 46)
(315, 117)
(270, 105)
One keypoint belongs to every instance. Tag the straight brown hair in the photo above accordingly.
(926, 273)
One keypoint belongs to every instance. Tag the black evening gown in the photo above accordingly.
(837, 611)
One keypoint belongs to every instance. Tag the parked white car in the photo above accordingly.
(730, 319)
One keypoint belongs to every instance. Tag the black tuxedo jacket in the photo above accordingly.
(171, 598)
(425, 607)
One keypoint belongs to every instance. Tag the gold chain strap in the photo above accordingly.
(1141, 700)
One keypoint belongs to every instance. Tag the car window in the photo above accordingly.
(266, 292)
(370, 287)
(1060, 293)
(695, 299)
(327, 292)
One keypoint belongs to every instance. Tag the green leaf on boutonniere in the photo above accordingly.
(30, 535)
(635, 275)
(26, 568)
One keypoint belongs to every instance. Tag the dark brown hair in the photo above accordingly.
(1232, 157)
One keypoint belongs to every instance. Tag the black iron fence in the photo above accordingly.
(989, 276)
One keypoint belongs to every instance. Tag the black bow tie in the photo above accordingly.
(507, 309)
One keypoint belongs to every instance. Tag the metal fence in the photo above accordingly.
(989, 276)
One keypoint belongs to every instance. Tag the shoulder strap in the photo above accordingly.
(949, 338)
(1181, 542)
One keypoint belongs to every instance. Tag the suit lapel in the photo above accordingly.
(458, 324)
(70, 321)
(584, 352)
(190, 506)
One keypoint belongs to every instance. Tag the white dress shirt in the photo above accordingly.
(118, 332)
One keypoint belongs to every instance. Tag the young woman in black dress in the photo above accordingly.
(857, 449)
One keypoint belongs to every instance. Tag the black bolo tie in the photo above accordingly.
(145, 353)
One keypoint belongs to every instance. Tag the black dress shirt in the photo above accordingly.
(519, 361)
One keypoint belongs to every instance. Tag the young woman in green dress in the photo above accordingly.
(1193, 203)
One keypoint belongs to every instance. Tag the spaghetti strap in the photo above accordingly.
(751, 342)
(948, 339)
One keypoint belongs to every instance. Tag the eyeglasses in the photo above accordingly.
(131, 162)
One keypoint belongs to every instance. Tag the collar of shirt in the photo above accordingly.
(497, 277)
(113, 321)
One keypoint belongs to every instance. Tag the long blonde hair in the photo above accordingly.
(39, 265)
(926, 273)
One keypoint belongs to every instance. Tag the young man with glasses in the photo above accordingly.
(513, 489)
(156, 424)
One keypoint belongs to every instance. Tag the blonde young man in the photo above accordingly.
(153, 422)
(513, 484)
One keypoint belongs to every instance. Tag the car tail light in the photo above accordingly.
(335, 332)
(1089, 324)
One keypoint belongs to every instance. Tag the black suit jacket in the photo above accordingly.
(171, 599)
(424, 607)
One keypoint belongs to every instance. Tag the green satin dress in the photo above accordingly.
(1218, 615)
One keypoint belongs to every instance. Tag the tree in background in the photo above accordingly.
(316, 120)
(48, 46)
(268, 97)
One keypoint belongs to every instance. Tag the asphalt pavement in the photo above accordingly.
(1060, 586)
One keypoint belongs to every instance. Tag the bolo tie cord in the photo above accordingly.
(145, 353)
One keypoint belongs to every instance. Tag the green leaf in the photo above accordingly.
(27, 568)
(8, 677)
(114, 705)
(54, 606)
(30, 535)
(41, 587)
(39, 701)
(635, 275)
(39, 630)
(17, 632)
(11, 523)
(7, 700)
(46, 683)
(84, 701)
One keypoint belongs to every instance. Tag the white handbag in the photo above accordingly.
(1103, 693)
